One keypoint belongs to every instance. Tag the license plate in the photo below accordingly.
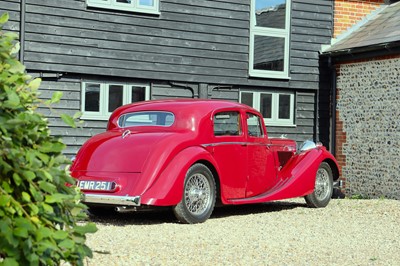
(96, 185)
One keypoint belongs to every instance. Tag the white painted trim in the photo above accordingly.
(132, 7)
(272, 32)
(103, 113)
(274, 120)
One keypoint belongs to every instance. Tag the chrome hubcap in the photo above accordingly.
(197, 194)
(322, 185)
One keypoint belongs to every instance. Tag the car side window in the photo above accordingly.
(227, 124)
(254, 125)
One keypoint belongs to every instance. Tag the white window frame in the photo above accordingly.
(134, 6)
(103, 113)
(270, 32)
(274, 120)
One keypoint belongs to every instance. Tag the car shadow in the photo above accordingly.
(135, 218)
(166, 215)
(249, 209)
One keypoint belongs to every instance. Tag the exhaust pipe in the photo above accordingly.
(123, 209)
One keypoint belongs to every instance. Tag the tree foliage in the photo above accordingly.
(40, 209)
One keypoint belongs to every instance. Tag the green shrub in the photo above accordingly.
(39, 213)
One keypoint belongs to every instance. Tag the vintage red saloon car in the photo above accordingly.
(192, 154)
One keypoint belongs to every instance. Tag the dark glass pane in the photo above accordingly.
(284, 106)
(269, 53)
(266, 105)
(124, 1)
(138, 94)
(271, 13)
(227, 124)
(247, 98)
(92, 97)
(146, 2)
(115, 97)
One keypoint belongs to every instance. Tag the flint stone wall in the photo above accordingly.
(369, 108)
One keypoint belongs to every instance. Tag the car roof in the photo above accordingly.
(204, 105)
(180, 107)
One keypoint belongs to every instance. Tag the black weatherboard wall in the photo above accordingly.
(193, 48)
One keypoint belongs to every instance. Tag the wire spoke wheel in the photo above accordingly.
(199, 196)
(323, 187)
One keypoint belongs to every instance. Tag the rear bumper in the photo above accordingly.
(112, 200)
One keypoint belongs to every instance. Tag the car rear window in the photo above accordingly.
(148, 118)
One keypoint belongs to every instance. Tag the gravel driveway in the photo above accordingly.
(346, 232)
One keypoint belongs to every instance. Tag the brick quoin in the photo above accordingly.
(340, 141)
(350, 12)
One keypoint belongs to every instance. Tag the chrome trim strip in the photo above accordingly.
(225, 143)
(112, 200)
(236, 143)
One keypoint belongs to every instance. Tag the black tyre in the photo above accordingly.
(323, 187)
(199, 195)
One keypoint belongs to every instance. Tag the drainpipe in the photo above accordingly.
(316, 117)
(333, 107)
(22, 32)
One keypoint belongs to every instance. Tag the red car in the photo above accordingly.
(192, 154)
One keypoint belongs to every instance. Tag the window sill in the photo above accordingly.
(268, 75)
(94, 117)
(281, 125)
(126, 9)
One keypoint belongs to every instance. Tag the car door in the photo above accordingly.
(261, 174)
(230, 153)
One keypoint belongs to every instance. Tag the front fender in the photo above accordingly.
(301, 172)
(167, 190)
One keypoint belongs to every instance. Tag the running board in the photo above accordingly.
(264, 196)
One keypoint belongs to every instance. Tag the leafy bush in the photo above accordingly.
(39, 213)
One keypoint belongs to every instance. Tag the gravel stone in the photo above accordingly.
(346, 232)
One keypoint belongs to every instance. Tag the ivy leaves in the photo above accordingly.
(39, 204)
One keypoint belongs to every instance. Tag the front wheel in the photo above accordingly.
(323, 187)
(199, 194)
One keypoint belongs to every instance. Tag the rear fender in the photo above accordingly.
(167, 190)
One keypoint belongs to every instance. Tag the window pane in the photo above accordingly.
(254, 126)
(227, 124)
(284, 106)
(115, 96)
(146, 2)
(247, 98)
(146, 119)
(138, 94)
(271, 13)
(124, 1)
(269, 53)
(92, 97)
(266, 105)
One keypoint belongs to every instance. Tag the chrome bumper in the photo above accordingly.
(112, 200)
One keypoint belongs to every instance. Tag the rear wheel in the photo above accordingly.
(199, 194)
(323, 187)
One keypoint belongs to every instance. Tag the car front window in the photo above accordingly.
(148, 118)
(254, 125)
